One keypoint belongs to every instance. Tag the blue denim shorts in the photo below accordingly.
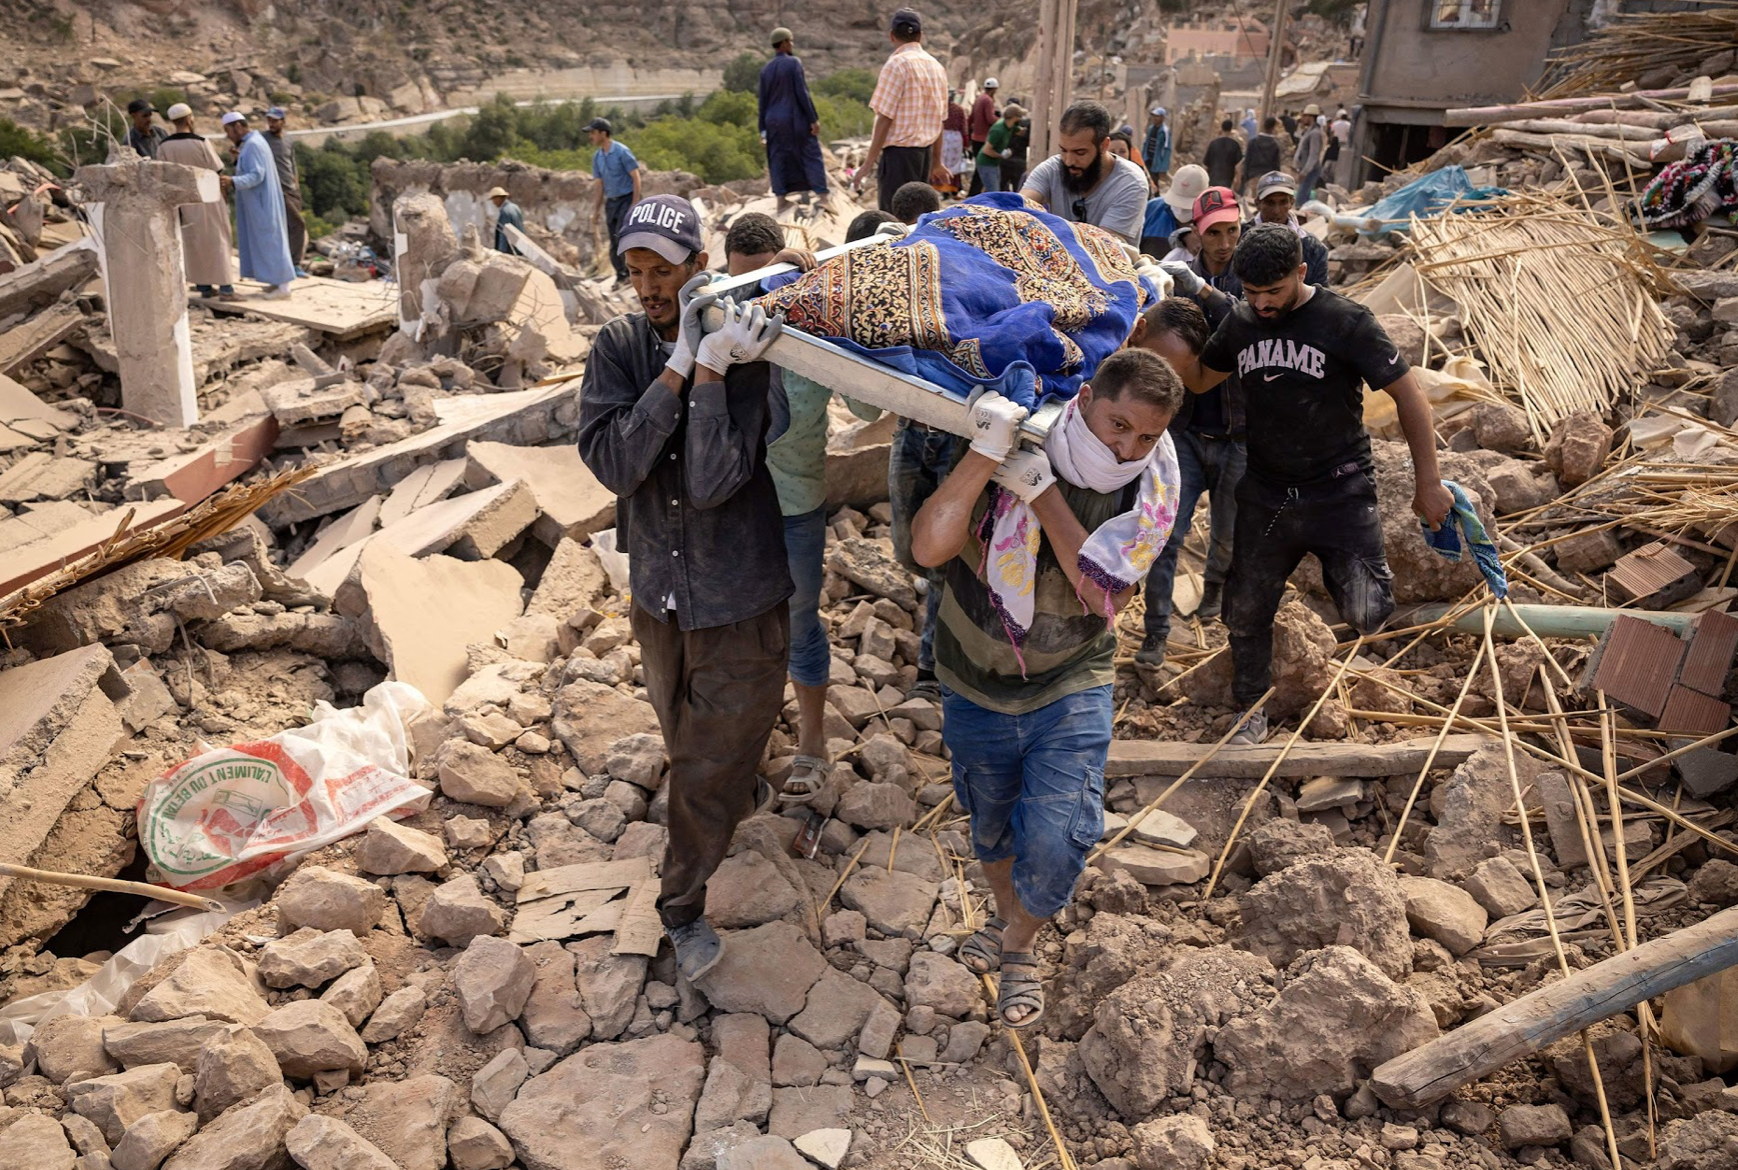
(1033, 786)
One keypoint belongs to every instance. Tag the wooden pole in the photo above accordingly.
(82, 881)
(1521, 1028)
(1275, 59)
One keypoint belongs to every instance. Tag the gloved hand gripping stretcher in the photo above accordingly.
(989, 293)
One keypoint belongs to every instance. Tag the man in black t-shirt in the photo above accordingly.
(1302, 355)
(1223, 155)
(1263, 153)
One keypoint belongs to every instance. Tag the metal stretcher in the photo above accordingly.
(862, 378)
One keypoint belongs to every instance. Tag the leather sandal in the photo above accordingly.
(982, 953)
(1020, 988)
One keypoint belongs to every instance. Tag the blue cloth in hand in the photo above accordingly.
(1463, 521)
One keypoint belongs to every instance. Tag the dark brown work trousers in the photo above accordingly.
(717, 693)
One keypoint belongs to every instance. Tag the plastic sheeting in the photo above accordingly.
(1426, 197)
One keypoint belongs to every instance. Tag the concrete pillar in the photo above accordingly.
(146, 280)
(423, 245)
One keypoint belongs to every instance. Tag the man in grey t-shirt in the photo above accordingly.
(1084, 182)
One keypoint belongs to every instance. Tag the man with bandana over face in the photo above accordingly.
(1084, 182)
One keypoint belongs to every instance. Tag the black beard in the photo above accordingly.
(1087, 179)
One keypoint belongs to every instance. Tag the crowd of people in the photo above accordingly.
(1247, 384)
(270, 234)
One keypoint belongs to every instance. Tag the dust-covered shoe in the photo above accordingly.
(1152, 651)
(698, 948)
(1254, 729)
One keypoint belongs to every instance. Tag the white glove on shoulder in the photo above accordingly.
(744, 337)
(995, 424)
(1186, 281)
(692, 304)
(1026, 473)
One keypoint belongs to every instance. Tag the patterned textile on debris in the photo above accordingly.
(991, 292)
(1689, 191)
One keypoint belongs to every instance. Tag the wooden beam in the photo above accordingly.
(1146, 757)
(1430, 1073)
(36, 286)
(29, 341)
(1491, 115)
(1275, 59)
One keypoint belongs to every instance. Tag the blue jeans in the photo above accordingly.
(1207, 465)
(919, 460)
(990, 176)
(1033, 786)
(805, 540)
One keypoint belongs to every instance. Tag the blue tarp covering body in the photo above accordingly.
(1428, 196)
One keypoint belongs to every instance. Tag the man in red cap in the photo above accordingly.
(1208, 432)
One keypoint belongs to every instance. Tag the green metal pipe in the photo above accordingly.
(1551, 621)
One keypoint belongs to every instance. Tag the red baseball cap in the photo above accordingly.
(1216, 205)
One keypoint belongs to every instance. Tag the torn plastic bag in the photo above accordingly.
(232, 811)
(1520, 938)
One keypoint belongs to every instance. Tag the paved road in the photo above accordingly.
(315, 135)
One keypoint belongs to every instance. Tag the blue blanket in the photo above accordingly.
(1463, 520)
(991, 292)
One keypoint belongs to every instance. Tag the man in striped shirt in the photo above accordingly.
(910, 104)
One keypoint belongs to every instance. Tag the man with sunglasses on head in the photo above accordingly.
(1084, 182)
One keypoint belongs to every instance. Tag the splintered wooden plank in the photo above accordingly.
(1145, 757)
(587, 875)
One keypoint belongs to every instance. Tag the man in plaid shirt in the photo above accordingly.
(910, 104)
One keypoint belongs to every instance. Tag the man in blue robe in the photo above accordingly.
(261, 232)
(789, 124)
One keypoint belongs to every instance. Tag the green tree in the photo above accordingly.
(335, 184)
(856, 84)
(742, 74)
(494, 131)
(19, 141)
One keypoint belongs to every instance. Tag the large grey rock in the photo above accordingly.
(328, 900)
(325, 1143)
(212, 981)
(894, 902)
(71, 1044)
(609, 1106)
(391, 848)
(493, 980)
(406, 1120)
(1299, 1047)
(1140, 1049)
(308, 1037)
(474, 1144)
(1500, 888)
(151, 1139)
(748, 890)
(457, 912)
(1445, 913)
(115, 1101)
(767, 1152)
(1533, 1125)
(938, 982)
(473, 774)
(838, 1007)
(309, 958)
(356, 993)
(174, 1042)
(554, 1017)
(1179, 1142)
(397, 1013)
(1346, 898)
(234, 1066)
(247, 1137)
(768, 970)
(35, 1142)
(609, 985)
(494, 1086)
(1469, 811)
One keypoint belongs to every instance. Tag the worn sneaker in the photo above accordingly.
(928, 689)
(277, 292)
(1254, 729)
(1152, 651)
(1212, 601)
(698, 948)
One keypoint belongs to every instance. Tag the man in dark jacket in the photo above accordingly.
(675, 422)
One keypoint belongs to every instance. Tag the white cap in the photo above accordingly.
(992, 83)
(234, 116)
(1185, 189)
(1157, 111)
(178, 111)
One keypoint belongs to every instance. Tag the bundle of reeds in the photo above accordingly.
(1637, 43)
(1559, 301)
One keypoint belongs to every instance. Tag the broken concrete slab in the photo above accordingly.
(41, 476)
(300, 401)
(427, 485)
(428, 611)
(470, 527)
(574, 504)
(353, 527)
(539, 415)
(19, 406)
(43, 557)
(58, 726)
(194, 475)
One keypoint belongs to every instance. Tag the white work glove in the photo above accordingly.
(1026, 473)
(995, 424)
(689, 331)
(744, 337)
(897, 231)
(1186, 282)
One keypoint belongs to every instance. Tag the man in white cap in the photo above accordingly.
(261, 234)
(1156, 147)
(205, 244)
(284, 155)
(978, 130)
(1171, 211)
(507, 214)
